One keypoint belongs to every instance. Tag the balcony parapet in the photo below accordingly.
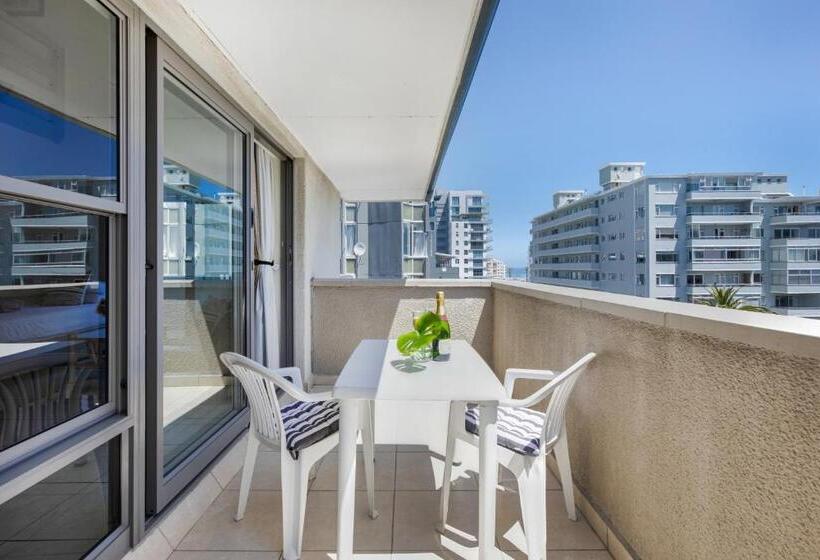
(670, 379)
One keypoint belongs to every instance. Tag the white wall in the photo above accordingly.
(317, 233)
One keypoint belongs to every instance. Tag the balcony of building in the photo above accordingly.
(572, 233)
(796, 218)
(724, 241)
(576, 249)
(721, 217)
(567, 219)
(749, 192)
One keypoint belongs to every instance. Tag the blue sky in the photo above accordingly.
(564, 86)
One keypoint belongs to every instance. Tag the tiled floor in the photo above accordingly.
(407, 483)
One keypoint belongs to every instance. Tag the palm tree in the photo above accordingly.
(727, 298)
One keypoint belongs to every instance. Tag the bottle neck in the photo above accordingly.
(441, 311)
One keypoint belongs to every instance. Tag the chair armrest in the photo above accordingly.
(295, 376)
(513, 374)
(297, 390)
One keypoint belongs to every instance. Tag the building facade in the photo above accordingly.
(393, 236)
(662, 236)
(461, 234)
(791, 251)
(496, 269)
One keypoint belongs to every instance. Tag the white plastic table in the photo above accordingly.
(376, 371)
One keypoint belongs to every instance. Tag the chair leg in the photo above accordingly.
(532, 495)
(456, 408)
(294, 498)
(368, 441)
(561, 451)
(247, 473)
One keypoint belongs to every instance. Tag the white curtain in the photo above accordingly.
(267, 309)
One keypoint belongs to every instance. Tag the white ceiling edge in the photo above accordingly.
(377, 127)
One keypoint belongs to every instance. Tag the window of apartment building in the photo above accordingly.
(813, 233)
(799, 255)
(665, 210)
(694, 279)
(640, 235)
(640, 212)
(62, 219)
(665, 280)
(640, 258)
(666, 257)
(413, 267)
(350, 211)
(803, 277)
(613, 257)
(721, 254)
(784, 301)
(640, 279)
(786, 233)
(666, 233)
(414, 239)
(666, 187)
(413, 212)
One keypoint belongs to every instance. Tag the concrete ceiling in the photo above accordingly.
(367, 86)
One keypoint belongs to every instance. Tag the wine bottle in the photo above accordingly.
(441, 311)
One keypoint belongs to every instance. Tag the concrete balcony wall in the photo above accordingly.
(348, 311)
(694, 433)
(680, 430)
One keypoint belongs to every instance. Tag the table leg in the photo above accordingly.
(346, 504)
(488, 479)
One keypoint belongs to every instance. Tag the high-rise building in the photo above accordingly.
(462, 230)
(393, 236)
(495, 269)
(662, 236)
(791, 251)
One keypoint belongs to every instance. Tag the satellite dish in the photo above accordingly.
(359, 249)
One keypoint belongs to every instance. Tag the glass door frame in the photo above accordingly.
(161, 60)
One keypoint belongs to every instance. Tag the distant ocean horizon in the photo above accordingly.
(517, 272)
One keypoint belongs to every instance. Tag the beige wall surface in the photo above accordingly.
(693, 447)
(343, 316)
(318, 248)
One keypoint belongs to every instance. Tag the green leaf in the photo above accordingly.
(428, 324)
(406, 343)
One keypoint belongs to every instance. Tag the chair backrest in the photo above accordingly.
(260, 384)
(562, 384)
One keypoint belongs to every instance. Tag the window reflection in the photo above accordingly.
(68, 513)
(202, 234)
(59, 96)
(53, 317)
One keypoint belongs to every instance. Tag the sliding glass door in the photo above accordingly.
(198, 277)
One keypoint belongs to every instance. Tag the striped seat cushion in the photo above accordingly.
(519, 429)
(308, 422)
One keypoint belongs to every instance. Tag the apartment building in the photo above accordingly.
(390, 238)
(496, 268)
(461, 228)
(791, 251)
(661, 236)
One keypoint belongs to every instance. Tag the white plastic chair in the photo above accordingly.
(525, 437)
(310, 426)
